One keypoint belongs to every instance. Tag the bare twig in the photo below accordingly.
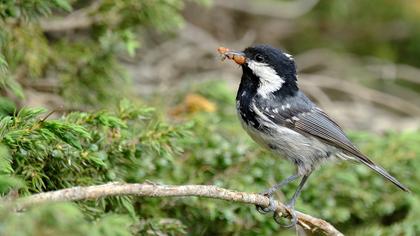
(152, 190)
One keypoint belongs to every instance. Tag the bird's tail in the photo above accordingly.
(385, 174)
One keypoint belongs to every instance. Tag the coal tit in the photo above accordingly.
(279, 117)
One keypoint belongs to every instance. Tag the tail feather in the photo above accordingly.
(385, 174)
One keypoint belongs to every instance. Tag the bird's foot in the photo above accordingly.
(271, 206)
(292, 212)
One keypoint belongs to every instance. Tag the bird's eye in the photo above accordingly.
(259, 58)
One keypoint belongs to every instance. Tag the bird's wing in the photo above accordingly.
(304, 117)
(312, 121)
(316, 123)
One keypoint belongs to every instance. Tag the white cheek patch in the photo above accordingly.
(270, 81)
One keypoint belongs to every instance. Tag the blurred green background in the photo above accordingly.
(133, 90)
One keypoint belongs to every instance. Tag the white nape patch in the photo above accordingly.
(270, 81)
(288, 56)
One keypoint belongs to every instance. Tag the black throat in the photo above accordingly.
(248, 91)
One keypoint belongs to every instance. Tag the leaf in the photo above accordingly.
(68, 133)
(97, 160)
(63, 4)
(5, 122)
(5, 160)
(130, 41)
(10, 182)
(113, 224)
(8, 82)
(30, 113)
(3, 67)
(127, 202)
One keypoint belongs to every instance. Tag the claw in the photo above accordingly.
(271, 206)
(262, 210)
(293, 215)
(293, 220)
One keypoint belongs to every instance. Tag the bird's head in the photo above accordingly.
(269, 69)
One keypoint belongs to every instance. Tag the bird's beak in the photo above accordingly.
(237, 56)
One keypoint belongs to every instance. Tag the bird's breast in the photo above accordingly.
(245, 112)
(305, 152)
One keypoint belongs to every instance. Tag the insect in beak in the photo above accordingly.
(236, 56)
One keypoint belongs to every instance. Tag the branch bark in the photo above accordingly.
(152, 190)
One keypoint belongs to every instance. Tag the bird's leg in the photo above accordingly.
(291, 204)
(269, 193)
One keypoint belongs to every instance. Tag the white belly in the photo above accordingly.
(306, 153)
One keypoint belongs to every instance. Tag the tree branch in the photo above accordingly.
(152, 190)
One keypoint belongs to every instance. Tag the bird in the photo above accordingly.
(281, 118)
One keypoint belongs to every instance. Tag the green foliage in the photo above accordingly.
(132, 144)
(85, 64)
(85, 149)
(99, 146)
(348, 195)
(30, 9)
(383, 28)
(8, 183)
(62, 219)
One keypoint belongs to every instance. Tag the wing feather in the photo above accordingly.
(319, 124)
(312, 121)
